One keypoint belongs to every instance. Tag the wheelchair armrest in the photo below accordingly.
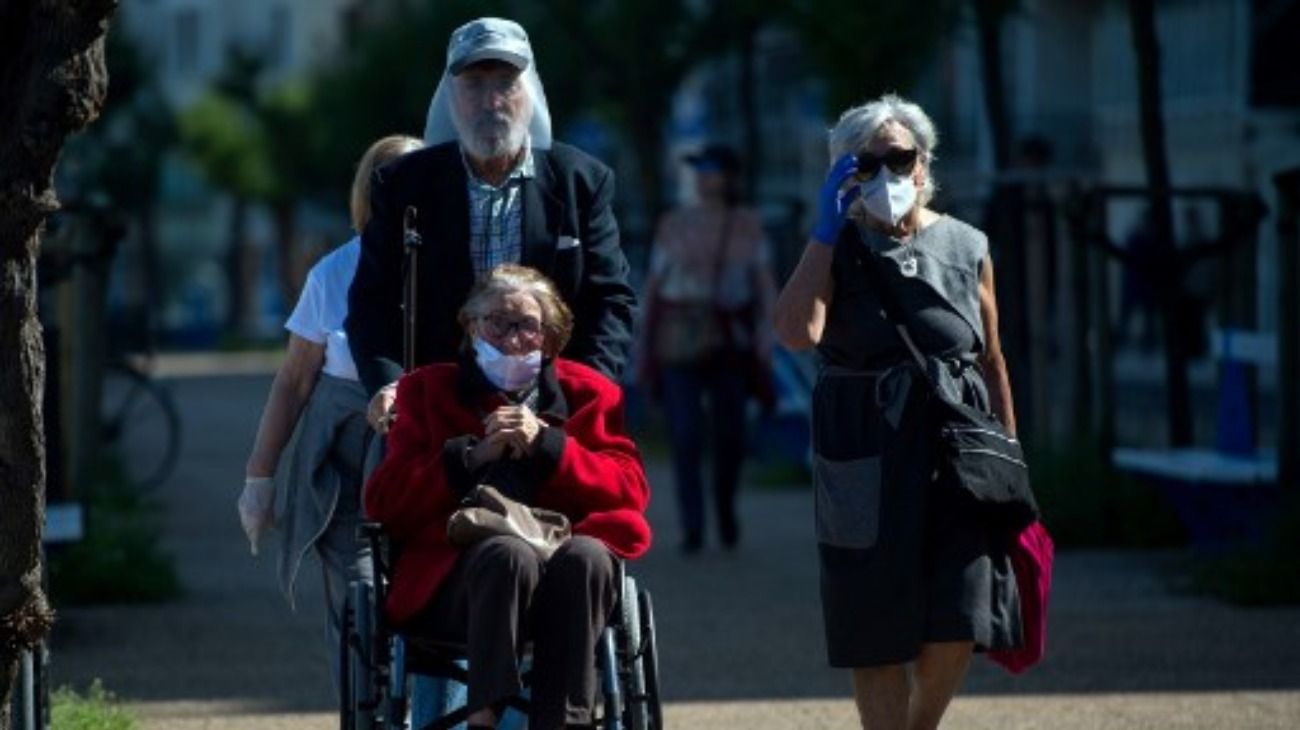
(375, 547)
(369, 530)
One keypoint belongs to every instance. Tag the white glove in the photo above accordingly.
(380, 413)
(257, 508)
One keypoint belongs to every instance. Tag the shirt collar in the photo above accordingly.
(525, 169)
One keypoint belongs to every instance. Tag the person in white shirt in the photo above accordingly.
(317, 394)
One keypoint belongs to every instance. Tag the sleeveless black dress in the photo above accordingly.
(903, 563)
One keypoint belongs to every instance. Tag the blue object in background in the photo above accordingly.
(201, 329)
(785, 435)
(1235, 427)
(433, 697)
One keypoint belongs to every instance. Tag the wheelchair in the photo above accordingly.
(376, 662)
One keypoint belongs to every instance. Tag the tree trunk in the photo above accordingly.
(53, 80)
(750, 112)
(155, 293)
(1168, 280)
(286, 249)
(1288, 330)
(238, 282)
(988, 21)
(648, 145)
(1008, 218)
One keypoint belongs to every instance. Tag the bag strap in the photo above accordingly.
(721, 315)
(720, 257)
(892, 311)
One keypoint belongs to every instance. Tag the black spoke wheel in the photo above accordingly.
(345, 667)
(139, 418)
(650, 661)
(636, 715)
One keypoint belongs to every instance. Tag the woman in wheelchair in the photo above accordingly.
(547, 432)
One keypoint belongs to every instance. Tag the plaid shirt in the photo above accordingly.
(496, 217)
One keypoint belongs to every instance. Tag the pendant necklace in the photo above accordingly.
(908, 265)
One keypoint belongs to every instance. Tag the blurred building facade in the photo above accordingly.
(1069, 76)
(1232, 114)
(1231, 105)
(189, 40)
(190, 44)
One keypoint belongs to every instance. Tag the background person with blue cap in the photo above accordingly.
(706, 342)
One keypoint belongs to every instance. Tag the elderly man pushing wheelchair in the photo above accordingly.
(491, 187)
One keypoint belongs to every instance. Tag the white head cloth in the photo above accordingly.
(439, 127)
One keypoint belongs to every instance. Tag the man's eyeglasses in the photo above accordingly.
(479, 85)
(900, 161)
(501, 326)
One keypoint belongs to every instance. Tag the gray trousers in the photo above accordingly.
(501, 595)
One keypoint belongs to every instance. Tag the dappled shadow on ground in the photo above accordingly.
(748, 625)
(741, 626)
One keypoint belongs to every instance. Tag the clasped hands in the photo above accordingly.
(508, 432)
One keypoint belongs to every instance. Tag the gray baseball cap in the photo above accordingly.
(488, 39)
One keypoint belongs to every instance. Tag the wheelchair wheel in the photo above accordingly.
(346, 710)
(361, 698)
(636, 715)
(650, 661)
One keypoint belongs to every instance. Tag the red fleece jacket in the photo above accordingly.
(598, 482)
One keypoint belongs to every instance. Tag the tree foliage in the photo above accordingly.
(620, 61)
(121, 157)
(382, 83)
(227, 142)
(862, 50)
(625, 61)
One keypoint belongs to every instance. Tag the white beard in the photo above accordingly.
(492, 136)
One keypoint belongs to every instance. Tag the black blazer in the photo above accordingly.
(570, 196)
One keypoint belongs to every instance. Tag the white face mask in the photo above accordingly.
(889, 196)
(507, 372)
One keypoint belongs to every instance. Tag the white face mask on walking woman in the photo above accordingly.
(889, 196)
(507, 372)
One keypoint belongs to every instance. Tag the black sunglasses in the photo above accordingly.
(899, 161)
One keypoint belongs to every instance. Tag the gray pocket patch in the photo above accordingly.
(848, 502)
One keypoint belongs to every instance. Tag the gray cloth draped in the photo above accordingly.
(319, 464)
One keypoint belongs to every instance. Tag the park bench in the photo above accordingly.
(1221, 494)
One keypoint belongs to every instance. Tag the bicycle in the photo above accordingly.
(138, 416)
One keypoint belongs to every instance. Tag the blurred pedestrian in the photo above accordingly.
(490, 187)
(709, 288)
(316, 392)
(912, 581)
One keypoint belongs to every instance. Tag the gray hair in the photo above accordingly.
(858, 125)
(557, 318)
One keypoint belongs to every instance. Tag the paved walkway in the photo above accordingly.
(740, 638)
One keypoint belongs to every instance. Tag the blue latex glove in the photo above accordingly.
(833, 202)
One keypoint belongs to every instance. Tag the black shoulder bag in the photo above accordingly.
(975, 453)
